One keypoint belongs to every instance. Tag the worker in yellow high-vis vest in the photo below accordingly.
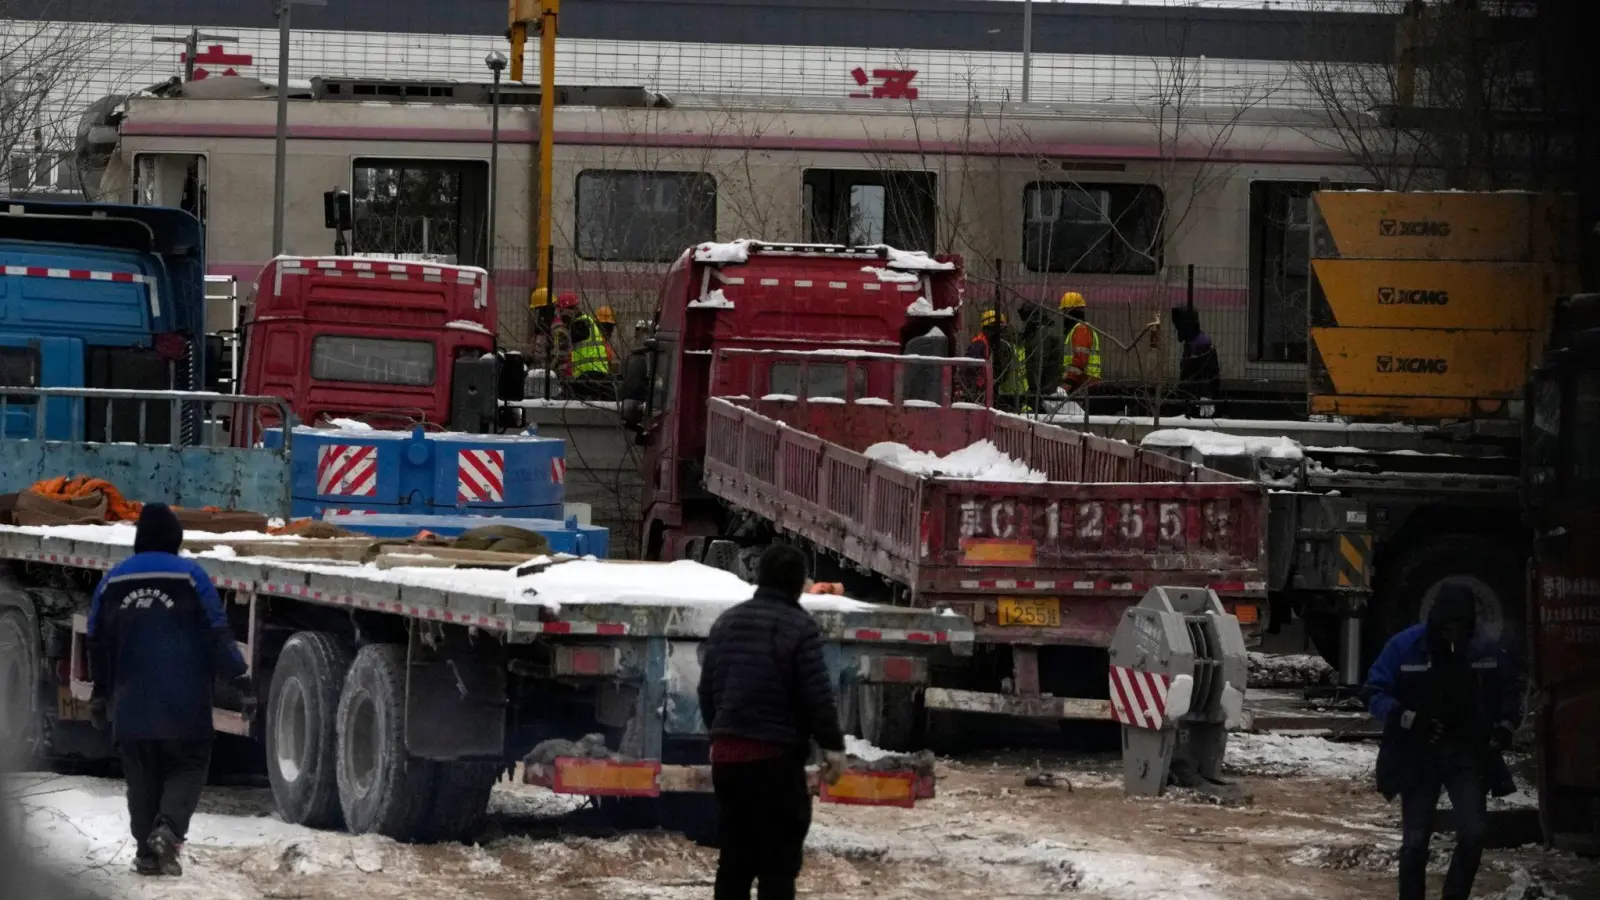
(589, 361)
(1006, 358)
(1080, 349)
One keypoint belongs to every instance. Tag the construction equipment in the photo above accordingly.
(1177, 683)
(544, 15)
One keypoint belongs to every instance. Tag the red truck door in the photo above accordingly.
(1563, 499)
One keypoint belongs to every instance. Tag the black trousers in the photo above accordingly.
(1463, 779)
(164, 783)
(764, 810)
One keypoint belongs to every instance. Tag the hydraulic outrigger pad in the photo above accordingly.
(1177, 679)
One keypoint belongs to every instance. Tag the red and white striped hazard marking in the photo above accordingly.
(558, 471)
(480, 476)
(1138, 698)
(347, 470)
(89, 275)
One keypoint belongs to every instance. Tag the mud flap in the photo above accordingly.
(455, 696)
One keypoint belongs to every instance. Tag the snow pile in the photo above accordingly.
(914, 260)
(891, 276)
(1302, 756)
(981, 461)
(734, 252)
(921, 307)
(681, 583)
(1211, 443)
(349, 425)
(121, 533)
(861, 748)
(465, 325)
(1289, 670)
(716, 299)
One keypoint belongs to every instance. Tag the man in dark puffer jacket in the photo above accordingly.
(765, 695)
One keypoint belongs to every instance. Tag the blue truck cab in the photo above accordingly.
(104, 296)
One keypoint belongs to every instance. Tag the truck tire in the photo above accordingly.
(302, 737)
(886, 715)
(460, 800)
(1494, 573)
(382, 788)
(20, 724)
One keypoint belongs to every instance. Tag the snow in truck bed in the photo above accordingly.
(982, 461)
(583, 581)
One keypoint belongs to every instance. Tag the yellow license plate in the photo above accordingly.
(1039, 612)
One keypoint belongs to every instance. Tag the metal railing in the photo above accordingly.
(203, 405)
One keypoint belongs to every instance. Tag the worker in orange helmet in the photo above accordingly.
(608, 331)
(1080, 356)
(568, 312)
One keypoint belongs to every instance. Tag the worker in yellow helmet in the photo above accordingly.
(589, 358)
(545, 354)
(1005, 358)
(608, 332)
(1080, 351)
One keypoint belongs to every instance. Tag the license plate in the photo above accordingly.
(1039, 612)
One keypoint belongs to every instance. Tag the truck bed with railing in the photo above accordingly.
(1040, 535)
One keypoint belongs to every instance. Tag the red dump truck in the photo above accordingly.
(786, 396)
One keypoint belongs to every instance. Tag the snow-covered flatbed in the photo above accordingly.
(563, 597)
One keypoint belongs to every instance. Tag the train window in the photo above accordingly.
(171, 179)
(643, 216)
(337, 357)
(1091, 228)
(856, 208)
(427, 210)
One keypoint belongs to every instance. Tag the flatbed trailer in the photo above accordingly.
(391, 699)
(1042, 565)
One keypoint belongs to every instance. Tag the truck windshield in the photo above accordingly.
(826, 380)
(336, 357)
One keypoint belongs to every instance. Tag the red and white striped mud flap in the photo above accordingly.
(347, 470)
(1138, 698)
(480, 476)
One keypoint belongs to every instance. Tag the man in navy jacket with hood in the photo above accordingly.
(158, 638)
(1448, 702)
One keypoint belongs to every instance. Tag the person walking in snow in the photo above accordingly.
(765, 695)
(158, 637)
(1448, 702)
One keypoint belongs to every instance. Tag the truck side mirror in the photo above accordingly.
(474, 406)
(513, 376)
(216, 372)
(337, 212)
(636, 386)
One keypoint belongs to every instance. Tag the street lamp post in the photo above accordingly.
(496, 61)
(1027, 46)
(281, 157)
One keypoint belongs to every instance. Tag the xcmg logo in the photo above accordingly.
(1413, 365)
(1419, 228)
(1388, 296)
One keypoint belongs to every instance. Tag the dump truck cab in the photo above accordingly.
(387, 342)
(99, 295)
(766, 296)
(1561, 491)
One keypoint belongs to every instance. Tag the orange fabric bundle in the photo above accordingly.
(827, 587)
(79, 487)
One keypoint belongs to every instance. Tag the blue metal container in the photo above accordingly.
(418, 473)
(564, 537)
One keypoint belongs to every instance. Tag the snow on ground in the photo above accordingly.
(1299, 755)
(1291, 670)
(981, 461)
(1211, 443)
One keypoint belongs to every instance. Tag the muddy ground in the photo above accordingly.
(1316, 832)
